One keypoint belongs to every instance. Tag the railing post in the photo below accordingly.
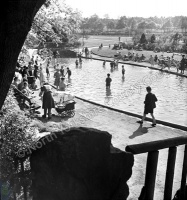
(170, 173)
(184, 173)
(150, 177)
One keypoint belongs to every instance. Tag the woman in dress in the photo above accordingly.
(57, 76)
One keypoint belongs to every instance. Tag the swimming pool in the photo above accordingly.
(128, 93)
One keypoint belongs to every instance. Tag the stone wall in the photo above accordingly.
(80, 164)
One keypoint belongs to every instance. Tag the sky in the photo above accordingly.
(130, 8)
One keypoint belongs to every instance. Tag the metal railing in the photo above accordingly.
(152, 148)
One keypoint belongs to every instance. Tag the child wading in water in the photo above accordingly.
(104, 62)
(123, 70)
(149, 102)
(47, 71)
(68, 72)
(76, 63)
(108, 81)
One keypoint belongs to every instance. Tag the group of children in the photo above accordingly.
(59, 76)
(108, 79)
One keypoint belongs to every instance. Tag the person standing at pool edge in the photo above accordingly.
(123, 70)
(149, 102)
(108, 81)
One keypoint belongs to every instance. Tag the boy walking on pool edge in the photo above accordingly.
(149, 102)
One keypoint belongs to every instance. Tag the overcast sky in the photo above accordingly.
(130, 8)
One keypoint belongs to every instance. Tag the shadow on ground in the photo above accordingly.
(140, 131)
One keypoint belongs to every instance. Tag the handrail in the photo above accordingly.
(156, 145)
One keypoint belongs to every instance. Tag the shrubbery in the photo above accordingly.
(15, 134)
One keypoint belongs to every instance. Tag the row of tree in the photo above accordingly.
(133, 23)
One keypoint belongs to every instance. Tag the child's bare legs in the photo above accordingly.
(154, 121)
(144, 116)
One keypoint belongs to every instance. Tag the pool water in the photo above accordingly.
(128, 93)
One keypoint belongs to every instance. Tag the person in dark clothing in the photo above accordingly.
(104, 62)
(62, 71)
(182, 67)
(108, 81)
(155, 58)
(25, 71)
(123, 70)
(76, 63)
(35, 71)
(149, 102)
(30, 69)
(48, 101)
(47, 71)
(68, 72)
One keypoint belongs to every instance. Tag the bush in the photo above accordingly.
(15, 134)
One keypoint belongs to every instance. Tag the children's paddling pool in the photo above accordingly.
(128, 93)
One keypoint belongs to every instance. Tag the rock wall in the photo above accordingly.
(80, 164)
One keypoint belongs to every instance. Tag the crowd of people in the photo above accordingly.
(27, 73)
(163, 61)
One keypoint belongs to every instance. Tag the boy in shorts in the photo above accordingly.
(108, 81)
(149, 102)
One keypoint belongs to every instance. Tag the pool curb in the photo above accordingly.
(184, 128)
(135, 64)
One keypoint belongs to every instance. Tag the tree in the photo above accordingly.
(151, 25)
(21, 22)
(142, 25)
(53, 23)
(111, 25)
(133, 24)
(143, 39)
(99, 26)
(16, 21)
(106, 16)
(167, 25)
(184, 23)
(120, 24)
(153, 38)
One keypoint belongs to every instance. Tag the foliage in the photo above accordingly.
(183, 23)
(138, 24)
(142, 25)
(167, 25)
(111, 25)
(54, 22)
(15, 134)
(143, 39)
(120, 23)
(151, 25)
(153, 38)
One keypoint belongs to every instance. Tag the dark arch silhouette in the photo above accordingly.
(16, 21)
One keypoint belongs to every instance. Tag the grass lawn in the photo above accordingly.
(105, 51)
(95, 40)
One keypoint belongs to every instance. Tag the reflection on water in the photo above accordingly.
(88, 81)
(108, 92)
(123, 79)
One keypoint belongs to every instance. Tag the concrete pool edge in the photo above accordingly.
(135, 64)
(176, 126)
